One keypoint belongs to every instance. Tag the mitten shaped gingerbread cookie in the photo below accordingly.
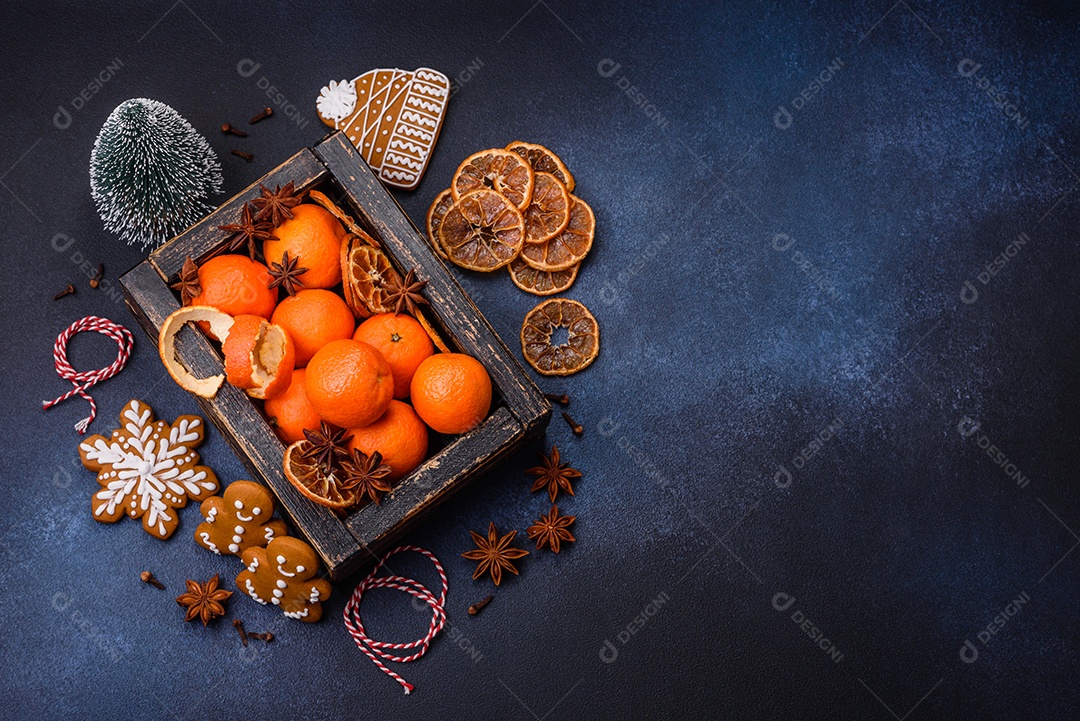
(147, 469)
(239, 519)
(283, 574)
(391, 116)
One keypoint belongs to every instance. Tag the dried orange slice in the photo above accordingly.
(549, 212)
(568, 247)
(482, 231)
(435, 215)
(541, 282)
(495, 169)
(582, 343)
(313, 481)
(543, 160)
(364, 270)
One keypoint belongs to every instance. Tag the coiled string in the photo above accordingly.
(84, 380)
(374, 649)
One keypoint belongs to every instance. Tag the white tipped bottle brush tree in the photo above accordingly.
(151, 173)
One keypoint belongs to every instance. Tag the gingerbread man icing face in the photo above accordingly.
(239, 519)
(282, 574)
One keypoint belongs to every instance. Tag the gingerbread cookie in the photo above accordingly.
(283, 574)
(239, 519)
(147, 469)
(392, 116)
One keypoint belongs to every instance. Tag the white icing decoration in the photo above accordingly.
(314, 597)
(269, 533)
(275, 601)
(210, 544)
(238, 529)
(242, 517)
(147, 467)
(281, 584)
(285, 573)
(251, 591)
(256, 511)
(233, 548)
(278, 593)
(297, 614)
(336, 100)
(239, 504)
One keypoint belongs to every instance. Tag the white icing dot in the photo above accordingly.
(237, 539)
(388, 119)
(239, 504)
(280, 583)
(281, 559)
(278, 593)
(233, 548)
(275, 601)
(299, 569)
(384, 132)
(378, 150)
(256, 510)
(238, 529)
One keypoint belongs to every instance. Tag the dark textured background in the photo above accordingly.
(726, 352)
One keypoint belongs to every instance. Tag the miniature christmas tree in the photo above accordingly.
(150, 172)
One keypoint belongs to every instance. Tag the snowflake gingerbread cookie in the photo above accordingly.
(391, 116)
(147, 469)
(238, 519)
(283, 574)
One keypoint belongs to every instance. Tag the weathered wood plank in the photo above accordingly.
(414, 497)
(235, 415)
(203, 239)
(377, 209)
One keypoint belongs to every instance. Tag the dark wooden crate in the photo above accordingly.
(520, 412)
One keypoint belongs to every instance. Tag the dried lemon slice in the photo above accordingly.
(495, 169)
(583, 337)
(435, 215)
(313, 482)
(541, 282)
(364, 271)
(482, 231)
(568, 247)
(549, 212)
(543, 160)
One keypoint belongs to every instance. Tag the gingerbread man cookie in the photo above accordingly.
(147, 469)
(283, 574)
(238, 519)
(392, 116)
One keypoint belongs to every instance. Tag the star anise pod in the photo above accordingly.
(325, 445)
(366, 474)
(405, 295)
(553, 474)
(188, 284)
(551, 529)
(248, 232)
(494, 553)
(287, 274)
(204, 601)
(275, 205)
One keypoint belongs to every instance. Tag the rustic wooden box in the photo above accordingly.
(519, 411)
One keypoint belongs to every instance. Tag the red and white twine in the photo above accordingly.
(84, 380)
(374, 649)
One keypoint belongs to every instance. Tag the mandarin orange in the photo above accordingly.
(314, 236)
(451, 392)
(399, 435)
(402, 341)
(313, 318)
(290, 413)
(349, 383)
(236, 285)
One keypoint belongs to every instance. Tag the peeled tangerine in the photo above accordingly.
(259, 356)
